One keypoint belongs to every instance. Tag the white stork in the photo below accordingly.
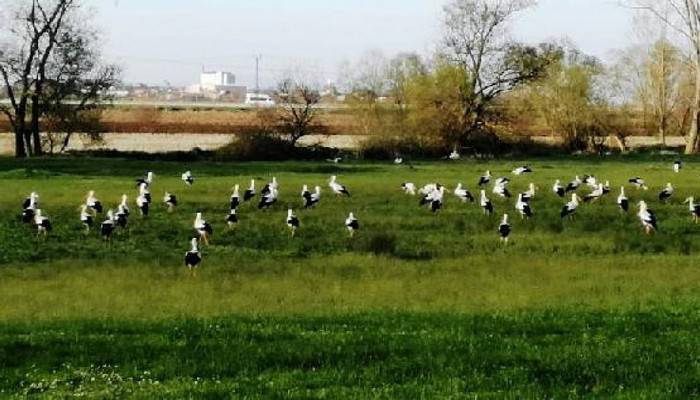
(170, 201)
(312, 199)
(591, 181)
(522, 170)
(188, 178)
(573, 185)
(268, 199)
(409, 188)
(622, 200)
(530, 193)
(92, 202)
(429, 188)
(193, 257)
(352, 224)
(148, 180)
(500, 188)
(108, 226)
(596, 194)
(463, 193)
(677, 166)
(436, 199)
(558, 189)
(124, 206)
(29, 207)
(666, 194)
(145, 193)
(639, 183)
(337, 188)
(454, 156)
(32, 201)
(235, 198)
(143, 204)
(292, 222)
(647, 218)
(428, 192)
(86, 217)
(485, 179)
(570, 208)
(502, 181)
(42, 223)
(485, 203)
(523, 207)
(272, 185)
(305, 192)
(232, 219)
(504, 229)
(122, 216)
(203, 228)
(250, 192)
(693, 208)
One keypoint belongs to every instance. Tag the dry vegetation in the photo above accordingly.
(174, 120)
(153, 120)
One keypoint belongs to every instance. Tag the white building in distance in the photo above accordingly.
(216, 80)
(217, 84)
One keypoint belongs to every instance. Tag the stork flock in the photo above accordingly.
(432, 195)
(202, 230)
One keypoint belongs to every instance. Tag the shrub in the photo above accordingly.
(265, 146)
(381, 147)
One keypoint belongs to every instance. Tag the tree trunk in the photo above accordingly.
(20, 151)
(27, 140)
(21, 140)
(691, 142)
(36, 138)
(662, 129)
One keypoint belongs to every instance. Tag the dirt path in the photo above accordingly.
(165, 142)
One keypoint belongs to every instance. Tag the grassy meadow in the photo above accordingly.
(415, 305)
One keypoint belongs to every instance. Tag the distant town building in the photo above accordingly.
(216, 81)
(219, 84)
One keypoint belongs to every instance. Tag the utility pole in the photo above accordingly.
(258, 58)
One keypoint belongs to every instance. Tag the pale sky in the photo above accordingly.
(172, 40)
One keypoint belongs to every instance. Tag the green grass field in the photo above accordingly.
(414, 306)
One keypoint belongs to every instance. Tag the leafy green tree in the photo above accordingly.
(566, 99)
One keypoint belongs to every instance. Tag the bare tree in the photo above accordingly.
(683, 17)
(297, 109)
(365, 81)
(368, 74)
(662, 78)
(476, 38)
(75, 86)
(47, 58)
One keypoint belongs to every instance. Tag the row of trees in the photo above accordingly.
(481, 81)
